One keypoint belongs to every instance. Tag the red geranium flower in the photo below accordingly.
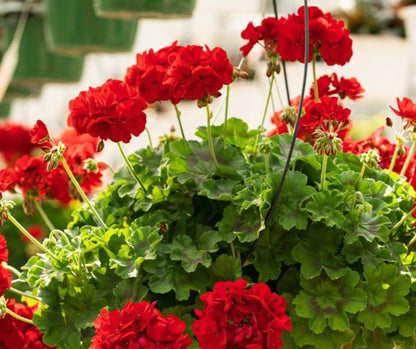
(39, 133)
(5, 279)
(139, 325)
(4, 252)
(112, 111)
(14, 142)
(18, 334)
(407, 110)
(236, 317)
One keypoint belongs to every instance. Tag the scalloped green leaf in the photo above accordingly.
(226, 267)
(326, 302)
(367, 225)
(218, 189)
(386, 289)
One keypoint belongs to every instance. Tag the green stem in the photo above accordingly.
(44, 216)
(108, 166)
(129, 166)
(323, 170)
(232, 249)
(269, 95)
(227, 99)
(61, 234)
(20, 293)
(12, 269)
(210, 145)
(266, 163)
(399, 223)
(315, 81)
(408, 159)
(18, 317)
(411, 242)
(359, 179)
(30, 237)
(178, 116)
(395, 154)
(150, 138)
(81, 192)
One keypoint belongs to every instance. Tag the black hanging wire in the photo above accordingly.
(283, 62)
(292, 144)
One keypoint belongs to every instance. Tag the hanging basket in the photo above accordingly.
(36, 65)
(73, 28)
(144, 8)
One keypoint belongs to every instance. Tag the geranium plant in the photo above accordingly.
(302, 238)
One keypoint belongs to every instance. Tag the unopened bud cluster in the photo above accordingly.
(327, 142)
(53, 156)
(370, 158)
(5, 207)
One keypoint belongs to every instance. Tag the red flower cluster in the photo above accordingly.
(14, 142)
(111, 111)
(5, 274)
(286, 37)
(180, 72)
(344, 88)
(18, 334)
(407, 110)
(139, 326)
(31, 177)
(236, 317)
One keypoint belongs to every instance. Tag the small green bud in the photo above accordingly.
(3, 307)
(90, 165)
(370, 158)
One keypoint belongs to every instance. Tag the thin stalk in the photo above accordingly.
(108, 166)
(81, 192)
(360, 177)
(323, 170)
(266, 163)
(408, 159)
(29, 236)
(411, 242)
(269, 94)
(315, 81)
(178, 116)
(18, 317)
(129, 166)
(150, 138)
(12, 269)
(227, 99)
(44, 216)
(210, 145)
(20, 293)
(395, 154)
(232, 249)
(399, 223)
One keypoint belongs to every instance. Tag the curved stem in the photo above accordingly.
(44, 216)
(30, 237)
(323, 170)
(399, 223)
(18, 317)
(81, 192)
(148, 136)
(269, 95)
(108, 166)
(178, 116)
(315, 81)
(408, 159)
(395, 154)
(129, 166)
(12, 269)
(20, 293)
(210, 145)
(227, 99)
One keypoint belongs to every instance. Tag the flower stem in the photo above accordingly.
(81, 192)
(211, 146)
(266, 163)
(30, 237)
(408, 159)
(44, 215)
(20, 293)
(395, 154)
(323, 170)
(360, 177)
(148, 136)
(108, 166)
(227, 99)
(399, 223)
(178, 116)
(129, 166)
(315, 81)
(12, 269)
(269, 95)
(18, 317)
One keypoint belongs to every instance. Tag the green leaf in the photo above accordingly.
(183, 249)
(288, 212)
(325, 205)
(166, 275)
(246, 225)
(318, 250)
(326, 302)
(221, 189)
(368, 225)
(226, 267)
(302, 150)
(386, 290)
